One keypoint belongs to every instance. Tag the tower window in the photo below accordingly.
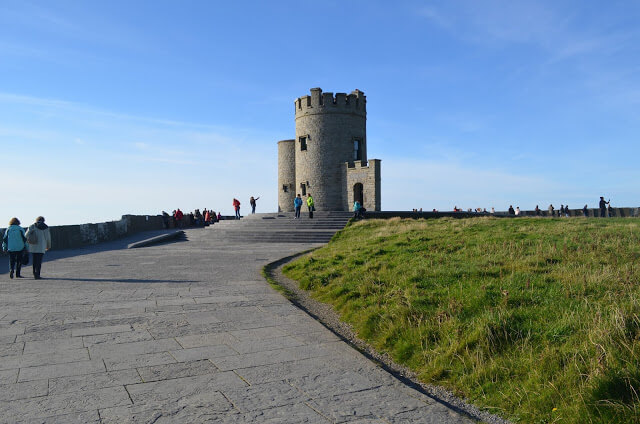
(285, 188)
(303, 188)
(357, 149)
(303, 143)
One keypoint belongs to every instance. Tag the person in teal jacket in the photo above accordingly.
(14, 242)
(356, 209)
(297, 204)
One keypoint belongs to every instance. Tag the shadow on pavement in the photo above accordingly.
(120, 244)
(120, 280)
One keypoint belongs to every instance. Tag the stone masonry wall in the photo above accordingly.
(369, 176)
(286, 175)
(72, 236)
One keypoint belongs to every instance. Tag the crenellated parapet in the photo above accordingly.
(319, 102)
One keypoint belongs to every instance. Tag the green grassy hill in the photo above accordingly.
(537, 320)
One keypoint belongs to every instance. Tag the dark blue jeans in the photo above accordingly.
(298, 211)
(37, 263)
(15, 261)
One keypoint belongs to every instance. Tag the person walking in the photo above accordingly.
(236, 206)
(14, 242)
(252, 202)
(39, 239)
(551, 210)
(585, 211)
(310, 205)
(603, 207)
(297, 204)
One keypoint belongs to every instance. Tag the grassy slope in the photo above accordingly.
(537, 320)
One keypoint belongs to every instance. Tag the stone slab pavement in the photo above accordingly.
(185, 332)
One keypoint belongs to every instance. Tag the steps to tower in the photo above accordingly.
(281, 228)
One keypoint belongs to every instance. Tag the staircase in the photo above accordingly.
(281, 227)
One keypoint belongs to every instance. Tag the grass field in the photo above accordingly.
(536, 320)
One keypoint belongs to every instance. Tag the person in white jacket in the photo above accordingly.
(39, 239)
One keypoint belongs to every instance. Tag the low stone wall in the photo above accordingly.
(594, 212)
(71, 236)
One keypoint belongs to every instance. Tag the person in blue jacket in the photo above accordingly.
(297, 204)
(356, 209)
(14, 241)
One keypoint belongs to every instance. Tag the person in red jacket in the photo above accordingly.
(236, 206)
(179, 216)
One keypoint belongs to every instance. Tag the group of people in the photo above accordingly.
(236, 205)
(35, 241)
(604, 207)
(297, 205)
(179, 219)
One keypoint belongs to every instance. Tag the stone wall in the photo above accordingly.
(616, 212)
(286, 175)
(72, 236)
(367, 174)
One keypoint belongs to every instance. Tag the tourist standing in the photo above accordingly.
(236, 207)
(178, 217)
(39, 239)
(585, 211)
(537, 211)
(297, 204)
(603, 206)
(14, 242)
(511, 211)
(517, 210)
(551, 210)
(356, 209)
(252, 202)
(310, 205)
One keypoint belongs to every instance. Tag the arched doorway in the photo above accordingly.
(358, 193)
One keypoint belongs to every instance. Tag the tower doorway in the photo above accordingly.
(358, 193)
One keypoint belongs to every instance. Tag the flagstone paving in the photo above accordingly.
(185, 332)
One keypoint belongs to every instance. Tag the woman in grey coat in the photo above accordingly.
(39, 239)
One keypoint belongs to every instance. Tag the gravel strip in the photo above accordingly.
(325, 314)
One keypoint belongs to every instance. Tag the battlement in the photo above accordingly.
(319, 102)
(371, 163)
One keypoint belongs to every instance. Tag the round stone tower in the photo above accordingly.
(330, 131)
(286, 175)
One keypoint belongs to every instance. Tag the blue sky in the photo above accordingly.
(116, 107)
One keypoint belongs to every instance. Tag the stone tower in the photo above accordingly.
(328, 157)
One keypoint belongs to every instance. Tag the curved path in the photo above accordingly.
(186, 332)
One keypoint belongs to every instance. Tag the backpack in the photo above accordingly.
(32, 236)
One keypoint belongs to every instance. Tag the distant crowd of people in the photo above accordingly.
(206, 217)
(179, 219)
(604, 209)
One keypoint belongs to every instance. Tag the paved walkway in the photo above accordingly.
(186, 332)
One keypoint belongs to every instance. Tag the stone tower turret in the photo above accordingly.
(329, 132)
(286, 175)
(329, 154)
